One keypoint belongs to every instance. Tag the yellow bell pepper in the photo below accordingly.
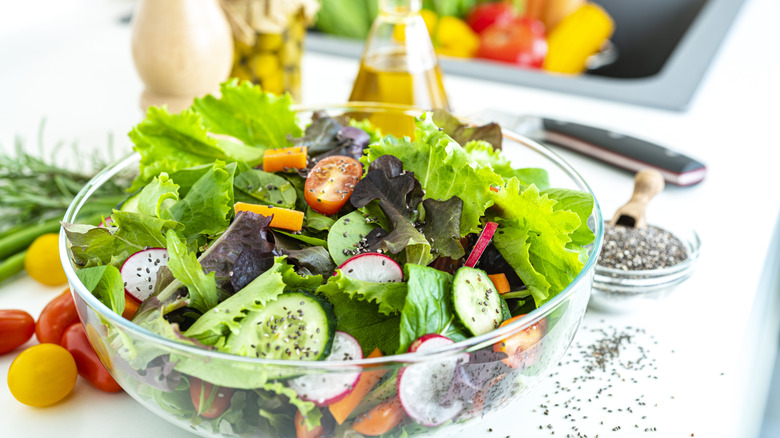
(576, 37)
(451, 36)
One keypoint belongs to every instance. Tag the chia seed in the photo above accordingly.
(601, 361)
(634, 249)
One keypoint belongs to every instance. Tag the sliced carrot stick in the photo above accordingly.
(381, 419)
(282, 217)
(284, 159)
(500, 282)
(342, 408)
(131, 306)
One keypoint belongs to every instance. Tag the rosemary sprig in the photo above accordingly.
(36, 192)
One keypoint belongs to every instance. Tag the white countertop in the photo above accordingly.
(710, 344)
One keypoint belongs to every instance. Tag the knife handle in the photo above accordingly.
(624, 151)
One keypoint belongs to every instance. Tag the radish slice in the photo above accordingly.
(482, 243)
(139, 272)
(424, 388)
(324, 389)
(106, 222)
(370, 266)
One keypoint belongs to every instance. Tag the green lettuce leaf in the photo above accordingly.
(308, 409)
(359, 315)
(428, 305)
(245, 112)
(227, 318)
(463, 133)
(484, 153)
(267, 188)
(156, 197)
(533, 237)
(170, 142)
(208, 206)
(444, 169)
(577, 202)
(185, 267)
(389, 297)
(105, 282)
(316, 221)
(95, 246)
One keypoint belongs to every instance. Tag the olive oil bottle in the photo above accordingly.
(399, 66)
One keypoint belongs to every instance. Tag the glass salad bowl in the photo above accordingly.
(433, 390)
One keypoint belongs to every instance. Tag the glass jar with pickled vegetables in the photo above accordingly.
(268, 37)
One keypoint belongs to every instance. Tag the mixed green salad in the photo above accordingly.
(356, 245)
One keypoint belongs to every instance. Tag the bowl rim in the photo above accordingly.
(470, 344)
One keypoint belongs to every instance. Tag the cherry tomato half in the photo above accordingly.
(330, 183)
(521, 348)
(206, 405)
(55, 318)
(302, 431)
(42, 375)
(486, 14)
(16, 328)
(521, 41)
(87, 362)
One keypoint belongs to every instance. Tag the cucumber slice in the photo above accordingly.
(130, 203)
(296, 326)
(475, 301)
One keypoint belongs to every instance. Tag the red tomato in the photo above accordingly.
(87, 362)
(521, 41)
(486, 14)
(16, 328)
(302, 431)
(330, 183)
(521, 348)
(55, 318)
(213, 406)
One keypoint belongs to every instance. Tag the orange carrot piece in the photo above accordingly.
(131, 306)
(342, 408)
(284, 159)
(381, 419)
(500, 282)
(282, 217)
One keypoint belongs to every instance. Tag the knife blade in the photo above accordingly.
(620, 150)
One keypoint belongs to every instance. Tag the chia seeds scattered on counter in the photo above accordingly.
(606, 375)
(633, 249)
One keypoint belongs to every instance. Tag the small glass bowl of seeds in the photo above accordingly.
(639, 266)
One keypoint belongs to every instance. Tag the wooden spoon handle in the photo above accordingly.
(647, 184)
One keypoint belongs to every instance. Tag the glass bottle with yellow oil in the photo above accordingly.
(398, 63)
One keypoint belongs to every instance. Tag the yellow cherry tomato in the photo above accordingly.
(42, 375)
(42, 261)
